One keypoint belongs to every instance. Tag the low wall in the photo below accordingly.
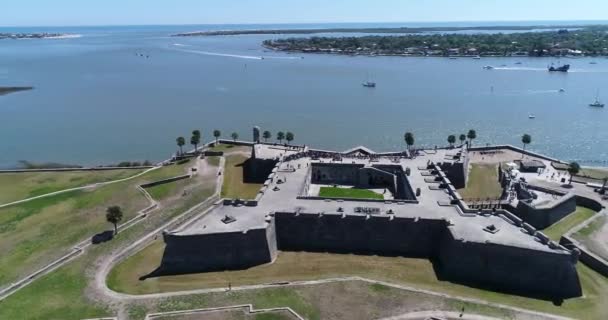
(75, 169)
(591, 260)
(589, 203)
(169, 180)
(516, 149)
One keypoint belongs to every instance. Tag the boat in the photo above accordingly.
(476, 57)
(488, 67)
(531, 116)
(369, 84)
(597, 103)
(517, 62)
(592, 62)
(563, 68)
(562, 90)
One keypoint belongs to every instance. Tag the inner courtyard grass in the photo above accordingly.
(292, 266)
(482, 182)
(234, 187)
(23, 185)
(557, 230)
(353, 193)
(36, 232)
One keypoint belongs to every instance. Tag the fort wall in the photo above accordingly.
(506, 268)
(358, 234)
(218, 251)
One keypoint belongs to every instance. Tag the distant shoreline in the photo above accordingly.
(398, 30)
(7, 90)
(43, 35)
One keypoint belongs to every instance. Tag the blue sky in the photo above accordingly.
(121, 12)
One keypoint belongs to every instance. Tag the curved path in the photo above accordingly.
(89, 186)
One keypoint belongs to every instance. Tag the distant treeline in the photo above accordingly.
(370, 30)
(587, 41)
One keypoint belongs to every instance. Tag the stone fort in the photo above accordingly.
(421, 215)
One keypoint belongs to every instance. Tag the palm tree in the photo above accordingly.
(573, 169)
(195, 139)
(114, 216)
(266, 135)
(462, 138)
(472, 135)
(289, 137)
(180, 143)
(234, 136)
(280, 136)
(216, 134)
(409, 140)
(525, 139)
(451, 140)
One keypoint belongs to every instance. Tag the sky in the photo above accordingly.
(154, 12)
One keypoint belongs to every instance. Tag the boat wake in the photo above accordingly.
(219, 54)
(520, 69)
(182, 45)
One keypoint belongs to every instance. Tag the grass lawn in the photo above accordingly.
(557, 230)
(596, 173)
(482, 183)
(335, 192)
(23, 185)
(224, 147)
(233, 186)
(37, 231)
(291, 266)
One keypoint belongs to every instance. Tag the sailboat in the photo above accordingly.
(597, 103)
(368, 83)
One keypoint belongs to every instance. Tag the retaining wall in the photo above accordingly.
(587, 257)
(157, 183)
(544, 216)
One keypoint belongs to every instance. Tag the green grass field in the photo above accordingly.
(292, 266)
(335, 192)
(18, 186)
(233, 186)
(557, 230)
(37, 231)
(482, 183)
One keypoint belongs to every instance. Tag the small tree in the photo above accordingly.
(266, 135)
(573, 169)
(472, 135)
(409, 140)
(280, 136)
(289, 137)
(195, 139)
(180, 143)
(114, 216)
(216, 134)
(462, 138)
(451, 140)
(234, 136)
(526, 139)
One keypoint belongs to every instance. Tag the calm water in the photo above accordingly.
(96, 102)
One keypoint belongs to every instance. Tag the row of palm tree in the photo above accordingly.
(289, 136)
(196, 138)
(471, 135)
